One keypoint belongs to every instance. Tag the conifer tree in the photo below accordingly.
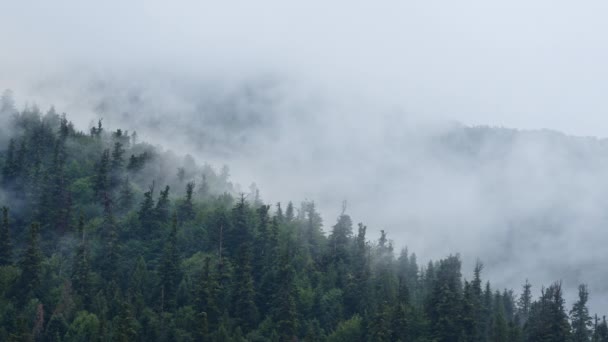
(101, 182)
(524, 303)
(205, 299)
(444, 303)
(81, 267)
(6, 247)
(126, 196)
(170, 273)
(357, 289)
(289, 213)
(110, 255)
(162, 206)
(30, 264)
(146, 211)
(601, 331)
(548, 320)
(245, 310)
(339, 239)
(126, 329)
(284, 302)
(279, 213)
(9, 171)
(400, 317)
(116, 164)
(187, 206)
(580, 318)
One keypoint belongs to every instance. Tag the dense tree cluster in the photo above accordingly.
(97, 244)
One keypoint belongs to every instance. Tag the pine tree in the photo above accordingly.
(116, 164)
(146, 211)
(81, 267)
(500, 331)
(187, 206)
(284, 302)
(10, 169)
(101, 182)
(579, 315)
(110, 257)
(400, 325)
(170, 272)
(548, 320)
(126, 329)
(289, 213)
(601, 332)
(126, 196)
(444, 304)
(480, 330)
(357, 288)
(279, 213)
(162, 206)
(245, 310)
(379, 327)
(6, 247)
(339, 239)
(117, 157)
(30, 264)
(524, 303)
(205, 298)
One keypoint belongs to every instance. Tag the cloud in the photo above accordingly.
(357, 101)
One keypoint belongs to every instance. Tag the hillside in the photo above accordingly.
(108, 238)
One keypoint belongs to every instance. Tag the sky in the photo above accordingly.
(345, 100)
(526, 64)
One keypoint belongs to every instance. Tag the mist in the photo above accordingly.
(379, 105)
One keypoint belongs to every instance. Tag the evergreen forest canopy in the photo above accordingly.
(105, 238)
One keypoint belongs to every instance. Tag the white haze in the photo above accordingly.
(354, 100)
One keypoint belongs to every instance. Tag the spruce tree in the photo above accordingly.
(289, 213)
(6, 247)
(81, 267)
(9, 171)
(205, 297)
(110, 257)
(146, 212)
(126, 196)
(524, 303)
(580, 318)
(30, 264)
(170, 272)
(101, 182)
(162, 206)
(601, 332)
(187, 206)
(245, 310)
(284, 302)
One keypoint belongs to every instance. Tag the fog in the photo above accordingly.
(369, 103)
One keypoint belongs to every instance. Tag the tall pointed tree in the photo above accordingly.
(162, 206)
(6, 247)
(146, 211)
(186, 208)
(81, 282)
(580, 318)
(30, 264)
(101, 182)
(170, 272)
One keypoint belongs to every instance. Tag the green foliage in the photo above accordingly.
(579, 315)
(30, 265)
(221, 269)
(6, 248)
(347, 331)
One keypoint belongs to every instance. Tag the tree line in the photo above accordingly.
(94, 246)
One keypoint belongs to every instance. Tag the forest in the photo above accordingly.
(107, 238)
